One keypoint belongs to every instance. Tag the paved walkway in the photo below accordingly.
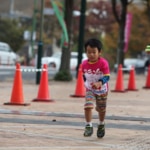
(59, 125)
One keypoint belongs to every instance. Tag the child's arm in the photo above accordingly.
(105, 79)
(100, 82)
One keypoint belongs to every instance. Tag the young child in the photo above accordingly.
(96, 75)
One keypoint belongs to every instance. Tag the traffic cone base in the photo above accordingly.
(131, 89)
(121, 91)
(146, 87)
(42, 100)
(73, 95)
(24, 104)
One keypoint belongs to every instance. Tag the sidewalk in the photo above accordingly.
(60, 124)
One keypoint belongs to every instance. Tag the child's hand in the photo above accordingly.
(96, 85)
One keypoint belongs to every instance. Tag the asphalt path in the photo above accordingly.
(60, 125)
(132, 126)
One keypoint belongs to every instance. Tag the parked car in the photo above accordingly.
(139, 64)
(7, 56)
(55, 60)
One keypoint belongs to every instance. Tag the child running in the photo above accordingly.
(96, 75)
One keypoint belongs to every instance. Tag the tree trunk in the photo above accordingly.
(121, 19)
(65, 59)
(120, 50)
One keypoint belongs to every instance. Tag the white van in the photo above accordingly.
(7, 56)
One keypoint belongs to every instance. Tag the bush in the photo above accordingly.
(63, 76)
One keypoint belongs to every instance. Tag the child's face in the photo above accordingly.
(92, 53)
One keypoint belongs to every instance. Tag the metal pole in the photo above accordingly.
(11, 11)
(81, 32)
(40, 45)
(33, 27)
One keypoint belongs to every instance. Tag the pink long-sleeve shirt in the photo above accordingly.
(95, 71)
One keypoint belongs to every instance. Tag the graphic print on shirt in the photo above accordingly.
(93, 76)
(93, 73)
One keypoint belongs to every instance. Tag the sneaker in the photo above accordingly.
(88, 130)
(101, 131)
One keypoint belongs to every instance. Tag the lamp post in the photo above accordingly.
(40, 45)
(81, 32)
(32, 40)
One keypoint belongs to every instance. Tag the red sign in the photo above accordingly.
(127, 31)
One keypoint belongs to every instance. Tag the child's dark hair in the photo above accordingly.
(93, 43)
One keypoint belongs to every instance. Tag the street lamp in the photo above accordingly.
(40, 45)
(81, 32)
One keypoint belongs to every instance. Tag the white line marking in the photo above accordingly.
(54, 147)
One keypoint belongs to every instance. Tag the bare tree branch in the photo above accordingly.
(115, 11)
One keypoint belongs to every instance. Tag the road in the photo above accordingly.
(28, 72)
(60, 124)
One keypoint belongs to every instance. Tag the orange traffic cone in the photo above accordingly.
(80, 89)
(147, 85)
(43, 92)
(119, 82)
(131, 83)
(17, 97)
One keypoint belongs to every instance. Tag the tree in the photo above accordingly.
(147, 3)
(11, 33)
(64, 71)
(99, 18)
(140, 33)
(66, 46)
(139, 36)
(121, 20)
